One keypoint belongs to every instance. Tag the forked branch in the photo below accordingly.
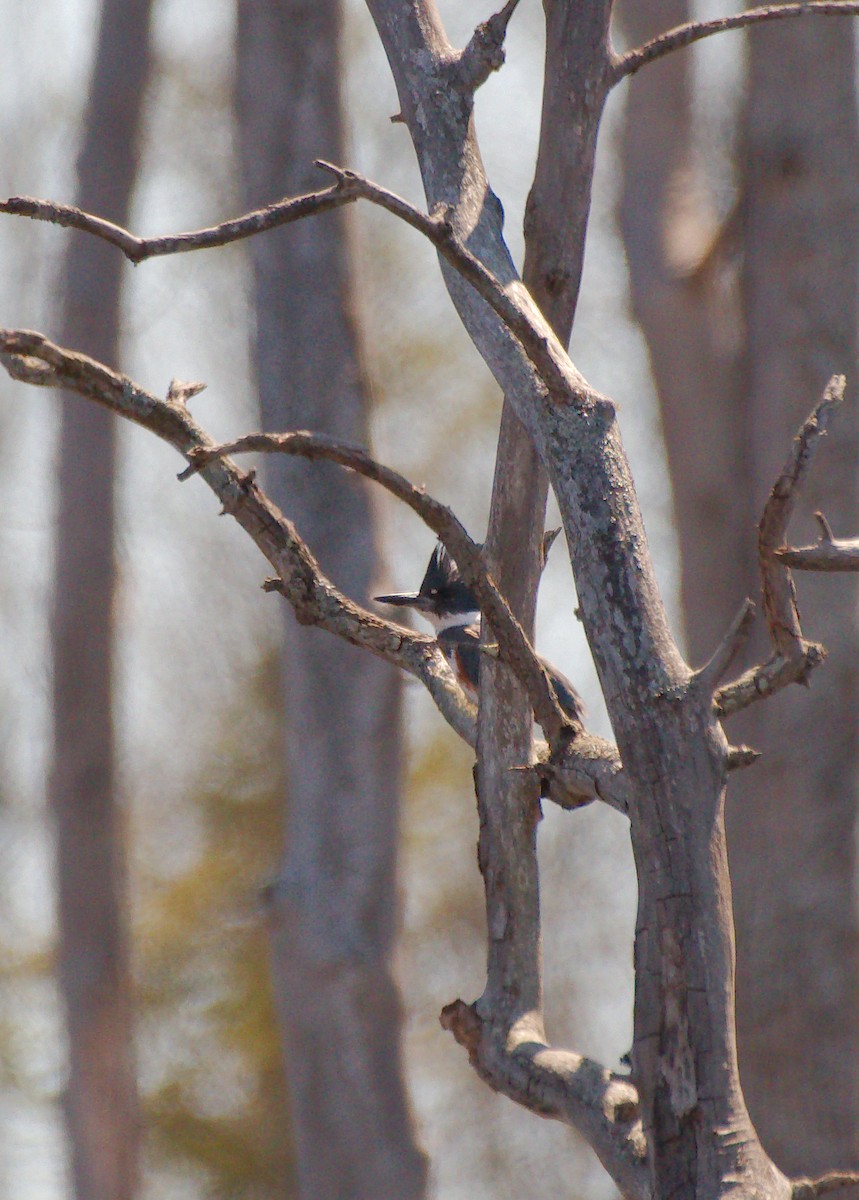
(586, 769)
(827, 554)
(485, 51)
(794, 658)
(535, 338)
(32, 358)
(562, 1085)
(515, 648)
(779, 596)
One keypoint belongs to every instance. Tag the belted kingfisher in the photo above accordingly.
(447, 602)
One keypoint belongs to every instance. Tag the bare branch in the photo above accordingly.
(485, 51)
(694, 31)
(512, 304)
(834, 1181)
(828, 554)
(779, 596)
(33, 358)
(588, 769)
(741, 756)
(794, 658)
(138, 249)
(730, 646)
(768, 678)
(559, 1084)
(515, 647)
(824, 556)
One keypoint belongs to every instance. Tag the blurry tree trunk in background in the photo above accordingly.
(743, 334)
(101, 1100)
(335, 909)
(693, 335)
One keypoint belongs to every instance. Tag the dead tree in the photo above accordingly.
(678, 1126)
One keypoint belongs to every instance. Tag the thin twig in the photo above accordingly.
(728, 649)
(767, 678)
(778, 593)
(834, 1181)
(511, 304)
(684, 35)
(516, 649)
(825, 527)
(33, 358)
(181, 391)
(138, 249)
(794, 658)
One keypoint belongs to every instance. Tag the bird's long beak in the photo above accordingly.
(405, 600)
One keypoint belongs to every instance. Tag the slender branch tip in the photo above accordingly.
(730, 646)
(484, 53)
(741, 756)
(834, 1181)
(825, 528)
(685, 35)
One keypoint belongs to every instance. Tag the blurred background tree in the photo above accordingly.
(334, 909)
(93, 967)
(744, 276)
(216, 1103)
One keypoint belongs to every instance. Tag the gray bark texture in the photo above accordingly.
(699, 1136)
(552, 272)
(740, 343)
(508, 805)
(101, 1099)
(335, 907)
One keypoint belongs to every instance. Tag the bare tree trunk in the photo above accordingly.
(555, 225)
(101, 1100)
(736, 358)
(335, 909)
